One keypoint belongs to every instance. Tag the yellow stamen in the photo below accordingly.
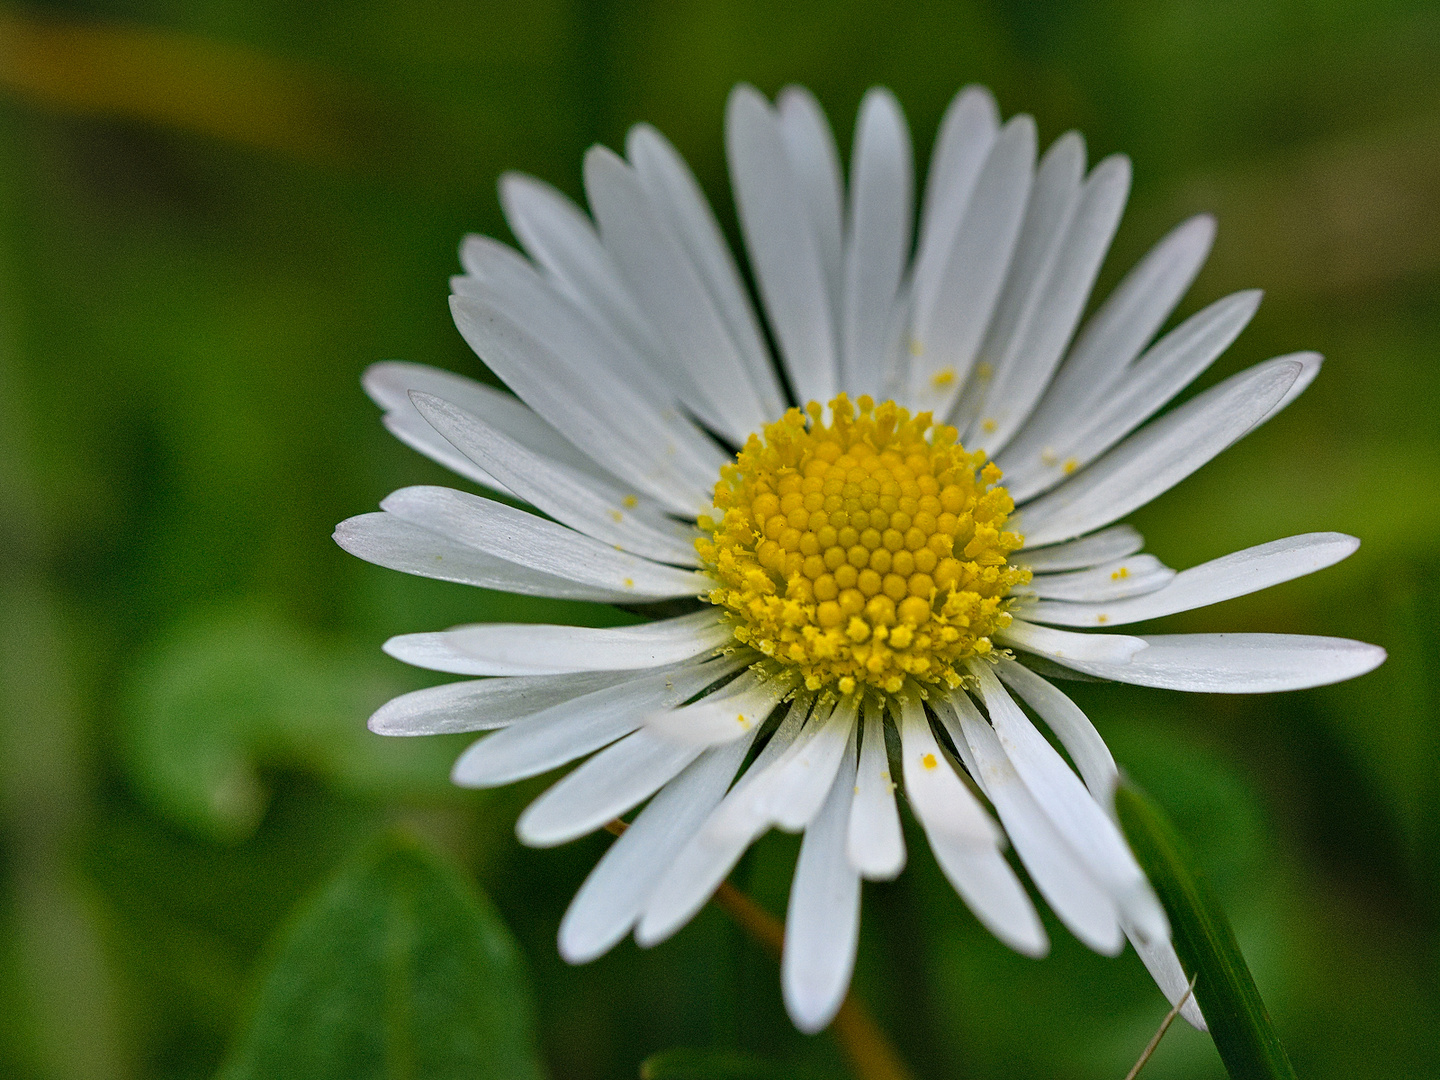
(863, 552)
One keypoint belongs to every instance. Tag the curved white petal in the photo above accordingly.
(1238, 574)
(877, 239)
(484, 704)
(1240, 663)
(874, 843)
(1113, 543)
(1115, 580)
(615, 892)
(733, 713)
(388, 541)
(1159, 456)
(780, 236)
(575, 727)
(545, 649)
(984, 880)
(598, 508)
(810, 149)
(1065, 646)
(940, 800)
(822, 920)
(531, 541)
(1070, 725)
(603, 788)
(793, 799)
(1164, 967)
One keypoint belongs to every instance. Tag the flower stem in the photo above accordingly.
(865, 1045)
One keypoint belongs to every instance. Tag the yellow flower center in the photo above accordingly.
(864, 551)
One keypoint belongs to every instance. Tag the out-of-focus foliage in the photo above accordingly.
(213, 216)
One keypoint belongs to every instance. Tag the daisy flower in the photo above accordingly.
(868, 527)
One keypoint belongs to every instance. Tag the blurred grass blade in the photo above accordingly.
(1205, 942)
(684, 1063)
(397, 970)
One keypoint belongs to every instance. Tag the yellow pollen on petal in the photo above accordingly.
(630, 502)
(928, 761)
(943, 378)
(1121, 574)
(866, 551)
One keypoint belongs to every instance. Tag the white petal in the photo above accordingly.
(801, 783)
(603, 788)
(1031, 354)
(724, 717)
(1238, 574)
(1164, 967)
(946, 332)
(386, 540)
(1159, 456)
(1116, 580)
(670, 289)
(1240, 663)
(484, 704)
(614, 894)
(1113, 543)
(1091, 834)
(543, 649)
(822, 921)
(1121, 328)
(1065, 646)
(575, 727)
(674, 191)
(1070, 725)
(784, 248)
(877, 240)
(546, 546)
(389, 385)
(711, 853)
(875, 845)
(1169, 366)
(598, 508)
(1067, 886)
(1310, 367)
(810, 149)
(940, 800)
(984, 880)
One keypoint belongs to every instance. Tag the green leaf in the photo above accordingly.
(688, 1064)
(1205, 942)
(398, 970)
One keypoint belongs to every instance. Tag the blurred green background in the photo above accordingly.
(215, 213)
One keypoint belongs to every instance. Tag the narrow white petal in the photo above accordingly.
(614, 894)
(386, 540)
(1310, 363)
(947, 331)
(661, 455)
(1238, 574)
(674, 192)
(577, 726)
(1091, 834)
(984, 880)
(1066, 646)
(796, 795)
(389, 385)
(1164, 967)
(941, 801)
(1116, 580)
(877, 240)
(810, 149)
(875, 844)
(1030, 356)
(784, 248)
(1240, 663)
(1158, 456)
(1113, 543)
(542, 545)
(1169, 366)
(484, 704)
(1067, 886)
(712, 852)
(720, 718)
(1121, 328)
(822, 921)
(1070, 725)
(600, 509)
(544, 649)
(603, 788)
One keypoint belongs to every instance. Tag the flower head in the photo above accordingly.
(885, 525)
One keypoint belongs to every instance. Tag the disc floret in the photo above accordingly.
(863, 551)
